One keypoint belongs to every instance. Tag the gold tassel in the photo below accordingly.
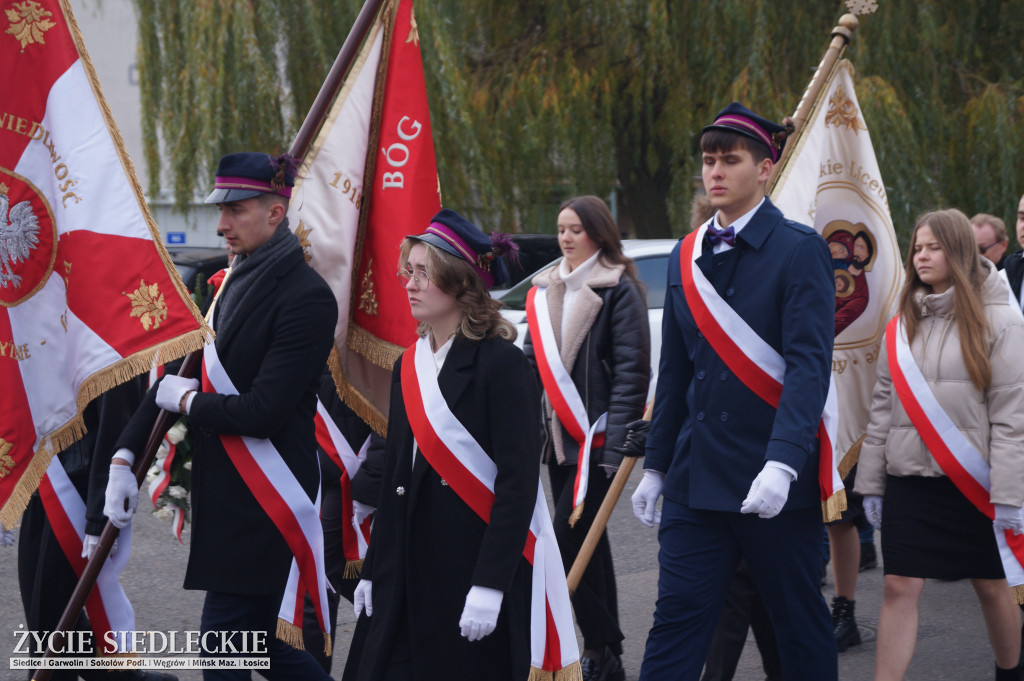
(1017, 593)
(850, 458)
(292, 635)
(833, 507)
(352, 569)
(539, 675)
(328, 650)
(574, 517)
(378, 351)
(571, 673)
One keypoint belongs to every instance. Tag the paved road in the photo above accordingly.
(951, 644)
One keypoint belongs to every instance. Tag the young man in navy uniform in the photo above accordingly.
(739, 476)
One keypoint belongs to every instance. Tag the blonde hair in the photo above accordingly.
(967, 275)
(481, 316)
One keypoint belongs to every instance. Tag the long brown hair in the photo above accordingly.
(600, 226)
(481, 316)
(967, 275)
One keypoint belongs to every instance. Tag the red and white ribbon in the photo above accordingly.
(453, 452)
(565, 398)
(279, 494)
(107, 607)
(954, 453)
(753, 360)
(160, 483)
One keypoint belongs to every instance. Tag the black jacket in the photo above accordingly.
(612, 368)
(428, 547)
(1014, 266)
(274, 354)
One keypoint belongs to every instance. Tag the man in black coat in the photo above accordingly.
(1014, 265)
(274, 318)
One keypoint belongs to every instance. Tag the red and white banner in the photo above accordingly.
(453, 452)
(279, 493)
(562, 392)
(756, 364)
(954, 453)
(830, 179)
(88, 297)
(369, 179)
(107, 607)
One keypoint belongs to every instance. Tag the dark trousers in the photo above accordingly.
(743, 609)
(596, 599)
(698, 555)
(245, 613)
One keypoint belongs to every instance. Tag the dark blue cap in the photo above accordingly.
(738, 118)
(249, 174)
(456, 235)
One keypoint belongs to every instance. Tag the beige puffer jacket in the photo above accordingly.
(993, 422)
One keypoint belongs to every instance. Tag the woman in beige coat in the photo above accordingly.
(963, 335)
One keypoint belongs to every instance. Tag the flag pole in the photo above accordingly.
(322, 104)
(611, 498)
(841, 36)
(314, 119)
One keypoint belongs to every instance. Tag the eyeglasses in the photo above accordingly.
(982, 249)
(419, 276)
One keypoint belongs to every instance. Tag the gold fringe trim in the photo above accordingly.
(571, 673)
(328, 650)
(833, 507)
(92, 387)
(380, 352)
(1017, 594)
(292, 635)
(350, 395)
(352, 569)
(851, 457)
(574, 517)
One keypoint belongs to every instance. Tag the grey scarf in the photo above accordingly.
(249, 271)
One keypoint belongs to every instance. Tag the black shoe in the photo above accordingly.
(868, 557)
(844, 626)
(608, 669)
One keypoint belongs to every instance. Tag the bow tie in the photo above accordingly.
(727, 235)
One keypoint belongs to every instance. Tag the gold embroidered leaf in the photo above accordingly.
(148, 305)
(28, 22)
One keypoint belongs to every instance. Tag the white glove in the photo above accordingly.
(89, 546)
(6, 537)
(361, 511)
(121, 489)
(645, 498)
(769, 491)
(873, 510)
(1009, 518)
(170, 391)
(362, 599)
(480, 615)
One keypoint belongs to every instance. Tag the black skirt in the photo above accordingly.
(931, 530)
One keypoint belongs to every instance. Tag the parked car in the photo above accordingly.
(534, 251)
(196, 265)
(651, 258)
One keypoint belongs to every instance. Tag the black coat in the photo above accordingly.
(274, 354)
(612, 371)
(1014, 266)
(428, 547)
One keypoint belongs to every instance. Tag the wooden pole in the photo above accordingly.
(164, 421)
(841, 36)
(322, 104)
(603, 514)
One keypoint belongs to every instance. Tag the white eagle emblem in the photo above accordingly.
(18, 238)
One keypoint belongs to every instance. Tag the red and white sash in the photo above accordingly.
(160, 483)
(282, 498)
(954, 453)
(757, 364)
(355, 537)
(108, 607)
(565, 398)
(453, 452)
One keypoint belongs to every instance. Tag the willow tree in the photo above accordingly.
(535, 100)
